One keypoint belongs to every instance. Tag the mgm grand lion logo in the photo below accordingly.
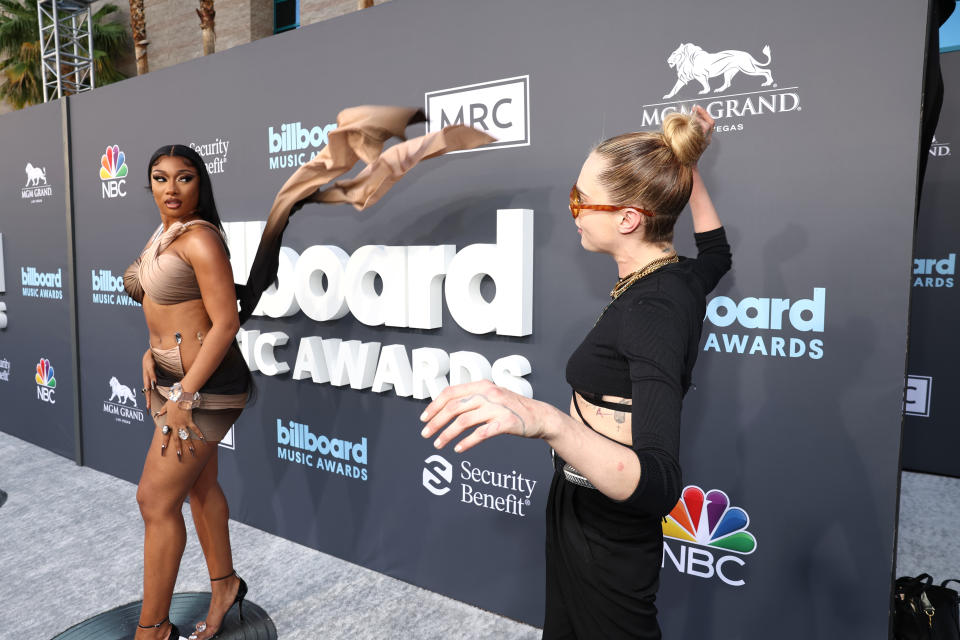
(693, 63)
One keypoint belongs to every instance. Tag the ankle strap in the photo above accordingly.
(229, 575)
(152, 626)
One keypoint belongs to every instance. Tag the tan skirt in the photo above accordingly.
(217, 411)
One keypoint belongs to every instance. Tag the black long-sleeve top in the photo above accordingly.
(644, 347)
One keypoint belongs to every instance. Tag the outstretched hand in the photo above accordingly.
(491, 409)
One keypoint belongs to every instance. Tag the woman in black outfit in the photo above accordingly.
(616, 453)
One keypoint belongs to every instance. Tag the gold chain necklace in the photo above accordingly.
(629, 280)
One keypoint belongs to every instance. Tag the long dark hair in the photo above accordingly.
(206, 207)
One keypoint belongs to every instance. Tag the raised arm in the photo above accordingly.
(705, 216)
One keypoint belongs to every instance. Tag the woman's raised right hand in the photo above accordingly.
(149, 375)
(705, 120)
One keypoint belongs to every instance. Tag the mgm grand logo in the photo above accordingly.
(695, 66)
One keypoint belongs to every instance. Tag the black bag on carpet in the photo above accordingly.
(924, 611)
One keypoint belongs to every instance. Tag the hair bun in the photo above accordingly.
(684, 136)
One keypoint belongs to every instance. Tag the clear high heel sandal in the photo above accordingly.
(238, 600)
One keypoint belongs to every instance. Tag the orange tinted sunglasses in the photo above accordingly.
(576, 206)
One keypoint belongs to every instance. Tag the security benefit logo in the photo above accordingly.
(935, 273)
(107, 288)
(916, 397)
(705, 537)
(214, 154)
(296, 444)
(778, 327)
(36, 188)
(293, 144)
(41, 284)
(46, 383)
(507, 492)
(122, 403)
(113, 173)
(716, 75)
(500, 107)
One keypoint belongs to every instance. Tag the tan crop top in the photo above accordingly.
(165, 277)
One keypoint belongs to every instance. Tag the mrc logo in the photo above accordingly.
(46, 382)
(500, 107)
(707, 529)
(113, 171)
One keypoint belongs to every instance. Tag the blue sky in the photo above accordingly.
(950, 33)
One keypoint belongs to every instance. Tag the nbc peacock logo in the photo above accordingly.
(46, 382)
(113, 171)
(113, 164)
(716, 528)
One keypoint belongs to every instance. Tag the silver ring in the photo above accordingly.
(165, 429)
(183, 433)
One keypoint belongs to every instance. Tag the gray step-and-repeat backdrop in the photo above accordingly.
(36, 364)
(930, 437)
(791, 436)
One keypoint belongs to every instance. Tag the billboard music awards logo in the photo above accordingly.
(935, 273)
(3, 289)
(122, 403)
(694, 66)
(704, 528)
(416, 281)
(500, 107)
(291, 143)
(46, 383)
(773, 319)
(113, 171)
(4, 370)
(108, 289)
(505, 492)
(36, 188)
(916, 397)
(214, 154)
(41, 284)
(939, 149)
(298, 445)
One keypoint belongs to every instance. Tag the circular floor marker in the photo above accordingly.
(186, 610)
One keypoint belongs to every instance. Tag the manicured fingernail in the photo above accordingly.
(423, 416)
(425, 432)
(458, 448)
(436, 443)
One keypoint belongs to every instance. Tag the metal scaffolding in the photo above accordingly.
(66, 47)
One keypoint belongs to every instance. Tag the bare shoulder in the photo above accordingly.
(202, 243)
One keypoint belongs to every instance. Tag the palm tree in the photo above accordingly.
(138, 24)
(20, 72)
(207, 14)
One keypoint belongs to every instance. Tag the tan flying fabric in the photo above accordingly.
(360, 135)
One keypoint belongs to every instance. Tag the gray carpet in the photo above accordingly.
(88, 527)
(929, 526)
(71, 541)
